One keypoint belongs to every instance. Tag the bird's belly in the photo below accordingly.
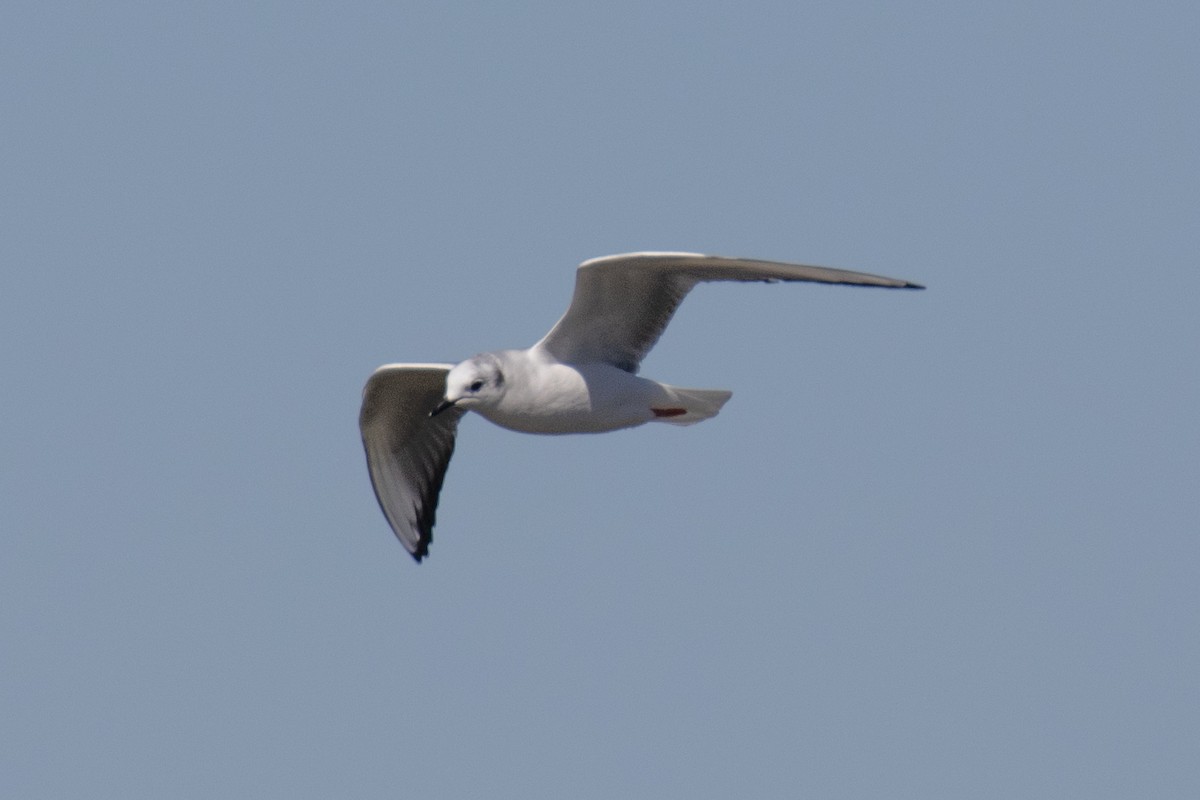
(567, 399)
(559, 421)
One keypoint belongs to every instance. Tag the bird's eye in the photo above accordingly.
(476, 386)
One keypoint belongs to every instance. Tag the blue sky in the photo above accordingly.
(939, 544)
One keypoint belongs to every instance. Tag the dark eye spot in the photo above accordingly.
(476, 386)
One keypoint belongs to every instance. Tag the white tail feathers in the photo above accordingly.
(689, 406)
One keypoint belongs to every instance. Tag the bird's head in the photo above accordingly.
(475, 382)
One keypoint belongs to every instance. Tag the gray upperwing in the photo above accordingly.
(622, 303)
(407, 450)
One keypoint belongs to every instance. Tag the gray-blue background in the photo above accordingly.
(940, 544)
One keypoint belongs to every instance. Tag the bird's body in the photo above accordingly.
(580, 378)
(543, 395)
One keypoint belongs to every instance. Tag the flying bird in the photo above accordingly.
(580, 378)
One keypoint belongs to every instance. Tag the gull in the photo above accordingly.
(580, 378)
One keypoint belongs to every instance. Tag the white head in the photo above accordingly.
(475, 382)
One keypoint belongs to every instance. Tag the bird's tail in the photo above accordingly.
(689, 406)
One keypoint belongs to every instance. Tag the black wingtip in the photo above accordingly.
(422, 549)
(911, 285)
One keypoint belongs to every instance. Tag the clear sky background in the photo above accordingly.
(939, 545)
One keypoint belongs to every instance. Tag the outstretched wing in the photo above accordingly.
(622, 303)
(407, 450)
